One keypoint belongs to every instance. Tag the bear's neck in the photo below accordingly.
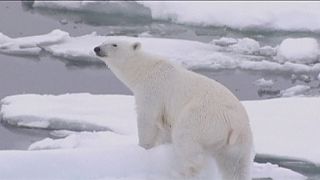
(135, 71)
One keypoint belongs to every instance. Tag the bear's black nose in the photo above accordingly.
(97, 49)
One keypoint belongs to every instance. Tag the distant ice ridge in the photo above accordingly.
(262, 16)
(275, 122)
(223, 53)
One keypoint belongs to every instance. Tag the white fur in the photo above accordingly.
(198, 115)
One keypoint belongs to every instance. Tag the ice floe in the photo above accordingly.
(30, 45)
(279, 125)
(71, 112)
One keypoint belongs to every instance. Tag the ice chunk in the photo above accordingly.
(246, 46)
(264, 83)
(267, 51)
(299, 50)
(224, 41)
(31, 45)
(295, 90)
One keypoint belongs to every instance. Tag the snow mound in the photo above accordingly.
(295, 90)
(299, 50)
(71, 111)
(283, 117)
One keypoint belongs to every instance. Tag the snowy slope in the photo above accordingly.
(284, 127)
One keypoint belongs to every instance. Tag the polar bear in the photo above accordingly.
(201, 117)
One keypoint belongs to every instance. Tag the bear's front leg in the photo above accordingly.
(147, 129)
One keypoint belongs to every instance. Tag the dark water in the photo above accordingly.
(49, 75)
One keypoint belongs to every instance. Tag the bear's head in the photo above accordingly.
(117, 50)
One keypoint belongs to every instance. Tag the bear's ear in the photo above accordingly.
(136, 46)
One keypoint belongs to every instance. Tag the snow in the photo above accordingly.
(279, 125)
(299, 50)
(264, 83)
(295, 90)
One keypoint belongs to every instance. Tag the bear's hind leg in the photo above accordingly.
(191, 154)
(234, 164)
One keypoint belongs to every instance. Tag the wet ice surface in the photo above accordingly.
(48, 75)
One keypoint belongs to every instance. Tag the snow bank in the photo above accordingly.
(284, 127)
(300, 50)
(219, 54)
(71, 111)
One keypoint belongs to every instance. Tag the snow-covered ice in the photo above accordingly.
(244, 54)
(300, 50)
(295, 90)
(71, 111)
(275, 122)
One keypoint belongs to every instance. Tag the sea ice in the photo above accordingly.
(279, 125)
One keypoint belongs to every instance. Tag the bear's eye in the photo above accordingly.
(114, 45)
